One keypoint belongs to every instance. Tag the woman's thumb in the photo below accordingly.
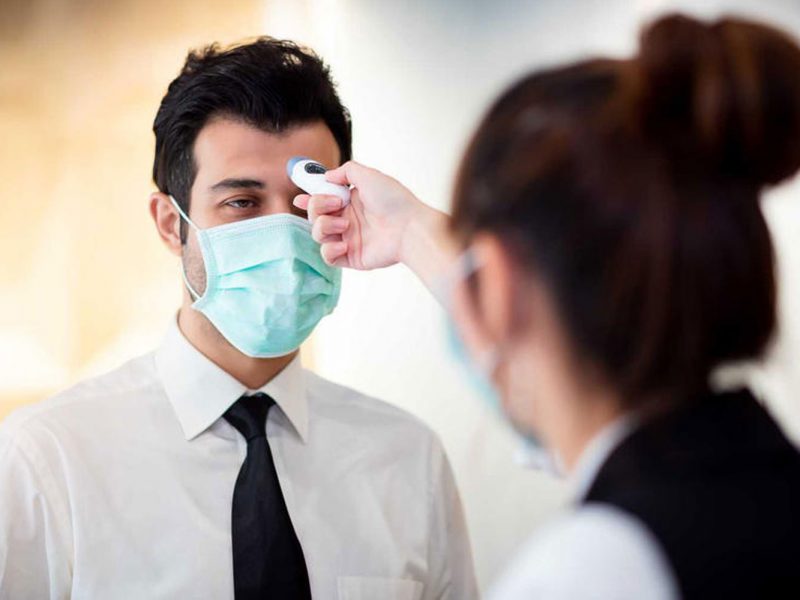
(349, 173)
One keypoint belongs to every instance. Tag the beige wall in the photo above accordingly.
(85, 280)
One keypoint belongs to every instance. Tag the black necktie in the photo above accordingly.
(268, 560)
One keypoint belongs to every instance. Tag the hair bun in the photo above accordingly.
(723, 96)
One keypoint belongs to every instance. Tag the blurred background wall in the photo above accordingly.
(87, 285)
(85, 282)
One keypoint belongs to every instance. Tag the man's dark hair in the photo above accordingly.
(268, 83)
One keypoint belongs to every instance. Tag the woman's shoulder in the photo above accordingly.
(591, 551)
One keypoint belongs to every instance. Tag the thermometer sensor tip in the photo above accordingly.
(292, 162)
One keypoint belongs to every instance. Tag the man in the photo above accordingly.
(217, 465)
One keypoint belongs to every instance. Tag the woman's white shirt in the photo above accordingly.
(591, 550)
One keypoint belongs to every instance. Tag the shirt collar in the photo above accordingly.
(597, 452)
(200, 391)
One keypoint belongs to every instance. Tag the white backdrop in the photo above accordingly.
(417, 75)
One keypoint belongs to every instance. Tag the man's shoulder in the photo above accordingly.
(74, 403)
(331, 400)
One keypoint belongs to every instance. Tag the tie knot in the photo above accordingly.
(249, 415)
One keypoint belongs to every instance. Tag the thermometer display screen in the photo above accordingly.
(315, 168)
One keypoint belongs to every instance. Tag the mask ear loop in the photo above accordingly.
(186, 218)
(462, 269)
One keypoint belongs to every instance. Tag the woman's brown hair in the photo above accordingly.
(632, 188)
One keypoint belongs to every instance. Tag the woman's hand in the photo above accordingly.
(383, 224)
(368, 233)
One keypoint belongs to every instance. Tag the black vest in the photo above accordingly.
(718, 484)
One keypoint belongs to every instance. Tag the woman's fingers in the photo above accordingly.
(333, 251)
(327, 225)
(353, 173)
(322, 205)
(337, 176)
(346, 174)
(317, 205)
(329, 239)
(301, 201)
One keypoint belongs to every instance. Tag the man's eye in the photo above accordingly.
(241, 203)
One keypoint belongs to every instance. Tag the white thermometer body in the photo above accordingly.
(309, 176)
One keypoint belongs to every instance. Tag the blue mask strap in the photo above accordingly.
(186, 218)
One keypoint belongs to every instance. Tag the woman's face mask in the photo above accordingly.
(482, 359)
(267, 286)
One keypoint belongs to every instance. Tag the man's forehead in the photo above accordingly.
(225, 143)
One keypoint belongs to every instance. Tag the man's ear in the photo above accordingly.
(167, 220)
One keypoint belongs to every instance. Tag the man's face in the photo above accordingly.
(241, 174)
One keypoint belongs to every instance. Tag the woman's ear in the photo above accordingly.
(496, 287)
(167, 221)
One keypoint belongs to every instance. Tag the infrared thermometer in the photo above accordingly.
(309, 176)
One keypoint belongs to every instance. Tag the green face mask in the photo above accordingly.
(267, 286)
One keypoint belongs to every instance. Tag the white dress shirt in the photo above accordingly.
(121, 487)
(591, 551)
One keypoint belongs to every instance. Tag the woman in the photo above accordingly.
(613, 258)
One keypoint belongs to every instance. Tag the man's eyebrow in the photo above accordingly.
(236, 184)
